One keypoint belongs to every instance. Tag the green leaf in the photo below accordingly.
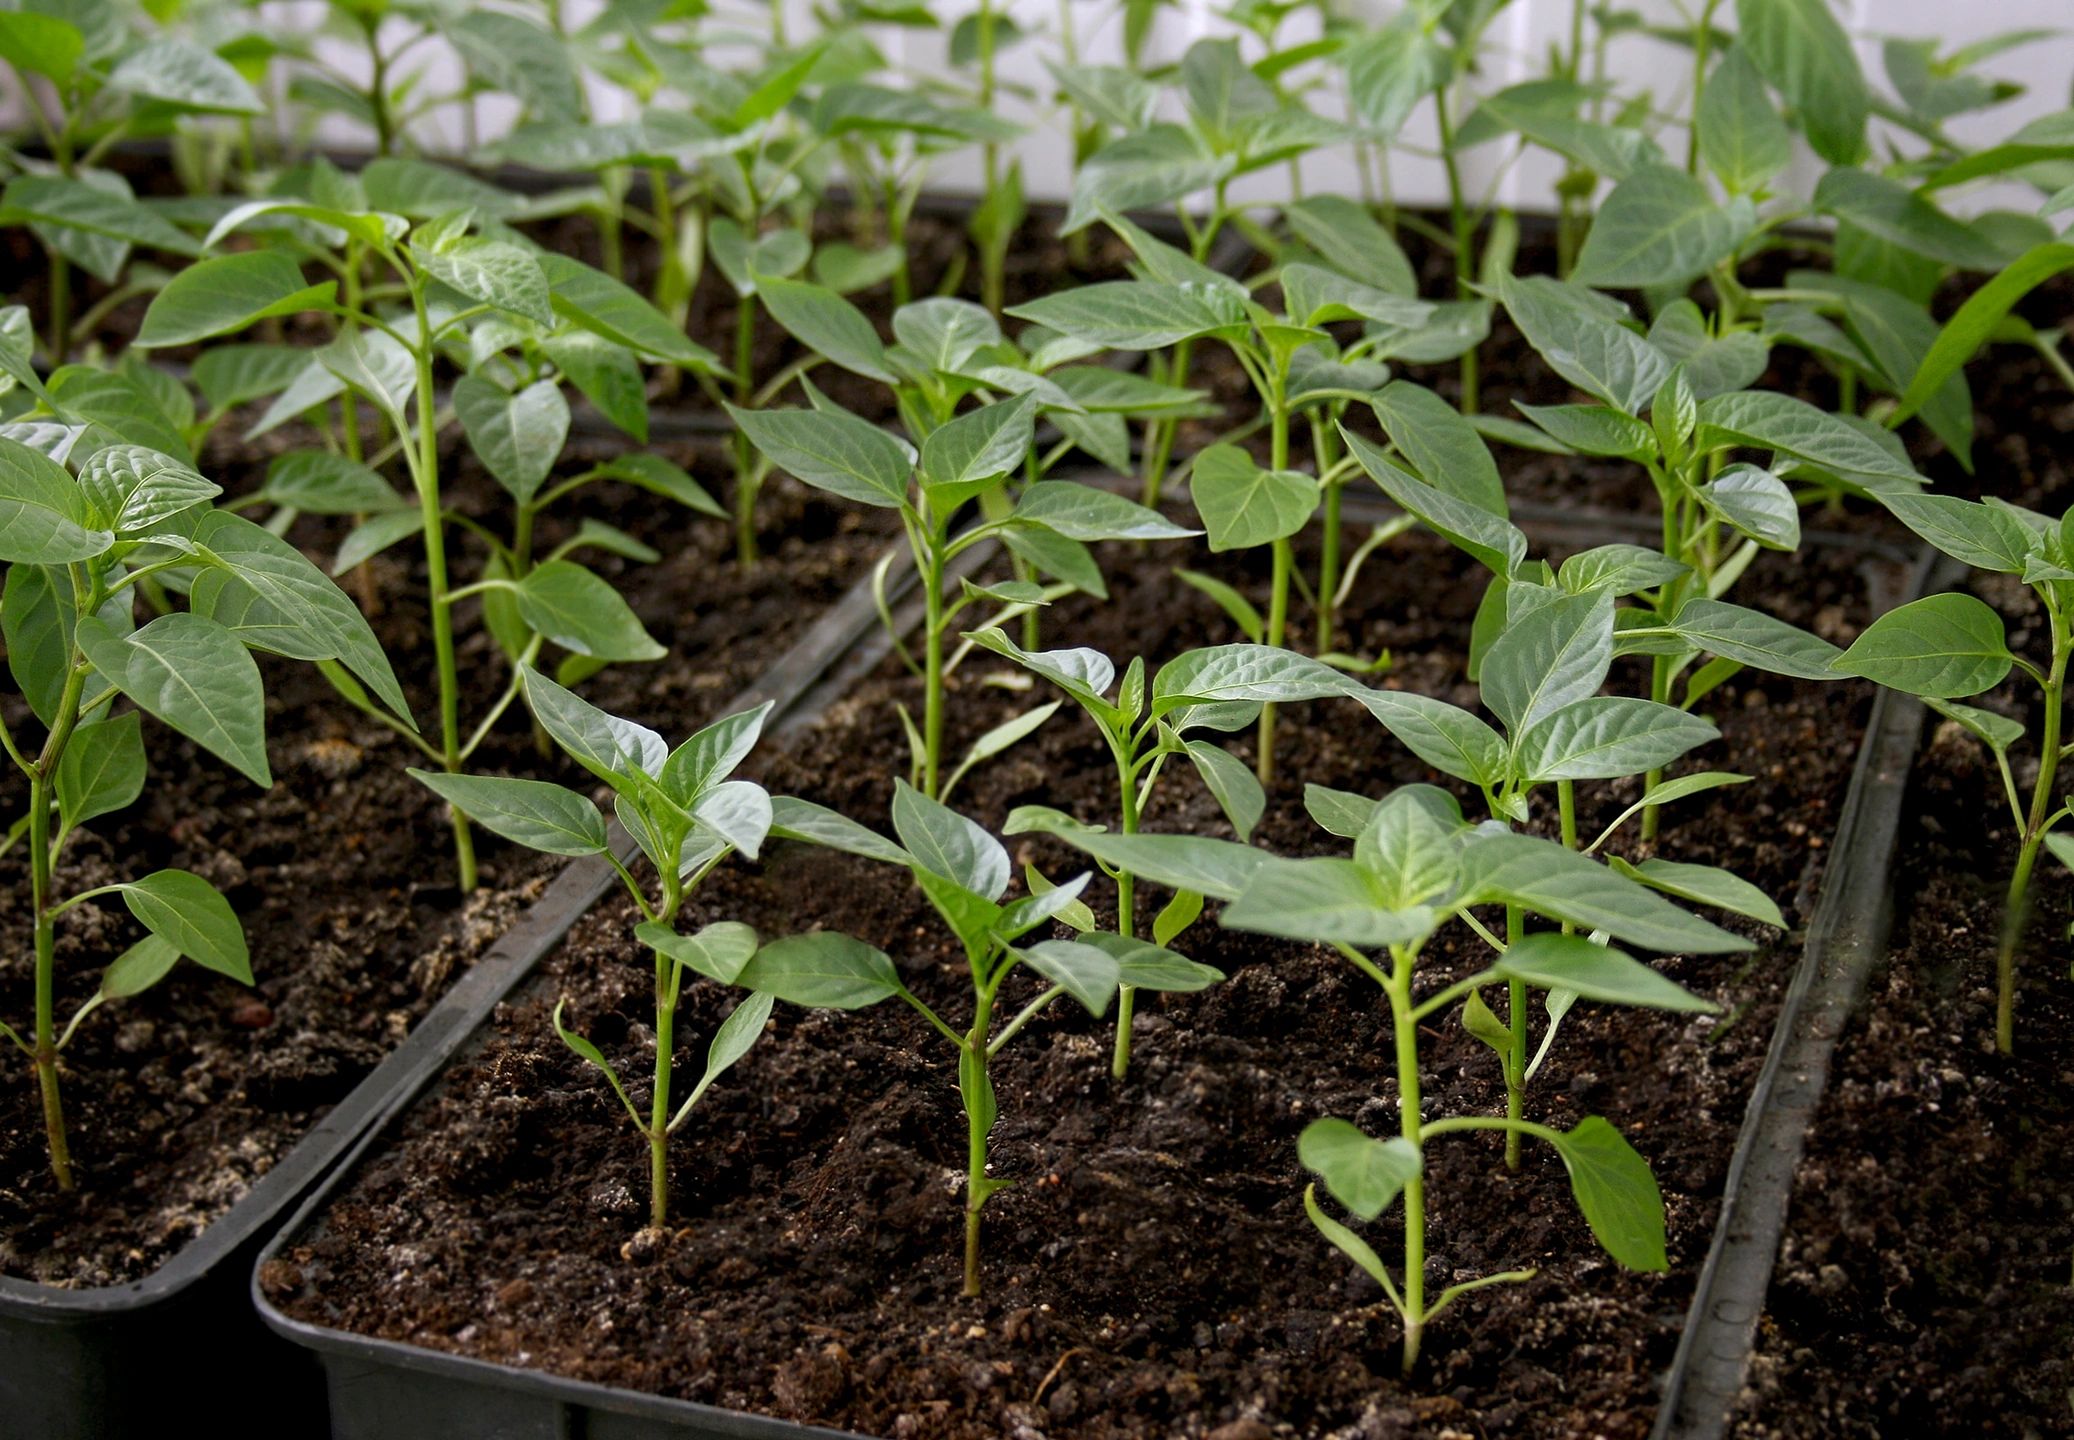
(737, 1035)
(1704, 885)
(822, 971)
(610, 378)
(711, 754)
(1147, 966)
(192, 673)
(1801, 49)
(91, 220)
(1152, 167)
(44, 515)
(1448, 738)
(828, 324)
(1243, 674)
(1570, 328)
(227, 293)
(1713, 364)
(1083, 512)
(1084, 674)
(1974, 322)
(1615, 1190)
(1596, 972)
(1741, 136)
(1890, 211)
(946, 844)
(1660, 226)
(139, 968)
(102, 769)
(978, 448)
(1345, 1240)
(581, 612)
(1605, 737)
(943, 333)
(47, 45)
(1753, 638)
(1542, 876)
(190, 914)
(833, 451)
(1242, 612)
(491, 272)
(1942, 646)
(1622, 569)
(183, 74)
(1495, 542)
(322, 483)
(1351, 240)
(1220, 869)
(1180, 912)
(1441, 444)
(1480, 1021)
(1243, 505)
(721, 951)
(658, 476)
(1363, 1174)
(1231, 783)
(804, 821)
(1550, 659)
(594, 300)
(1088, 974)
(1594, 430)
(1755, 503)
(534, 813)
(1138, 314)
(518, 436)
(1325, 900)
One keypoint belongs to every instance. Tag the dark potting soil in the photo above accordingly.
(1151, 1272)
(1926, 1282)
(343, 875)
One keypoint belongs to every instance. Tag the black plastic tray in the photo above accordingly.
(106, 1363)
(382, 1388)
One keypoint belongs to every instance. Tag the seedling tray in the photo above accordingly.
(381, 1388)
(1846, 938)
(103, 1363)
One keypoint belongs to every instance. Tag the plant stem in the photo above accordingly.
(932, 668)
(425, 475)
(659, 1101)
(1284, 563)
(1516, 1054)
(60, 341)
(1126, 904)
(1160, 433)
(1464, 228)
(1407, 1035)
(1323, 453)
(46, 982)
(745, 459)
(2016, 908)
(993, 253)
(976, 1127)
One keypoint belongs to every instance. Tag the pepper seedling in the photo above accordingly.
(1952, 646)
(79, 545)
(1220, 690)
(959, 461)
(1418, 864)
(686, 815)
(965, 873)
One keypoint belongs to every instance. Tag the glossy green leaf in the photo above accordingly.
(823, 970)
(1945, 646)
(227, 293)
(190, 914)
(1551, 961)
(1363, 1174)
(580, 612)
(832, 451)
(192, 673)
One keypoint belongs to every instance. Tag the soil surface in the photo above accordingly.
(343, 873)
(1151, 1272)
(1923, 1287)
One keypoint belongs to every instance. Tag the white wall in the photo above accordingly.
(1517, 47)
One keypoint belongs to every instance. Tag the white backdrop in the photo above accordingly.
(1517, 48)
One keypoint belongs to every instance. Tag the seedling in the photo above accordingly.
(446, 277)
(965, 873)
(79, 544)
(1948, 647)
(959, 461)
(1417, 865)
(686, 815)
(1220, 689)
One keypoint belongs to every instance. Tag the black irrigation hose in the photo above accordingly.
(1846, 939)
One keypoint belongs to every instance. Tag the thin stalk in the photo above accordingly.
(425, 474)
(1407, 1035)
(1126, 904)
(1516, 1053)
(1284, 563)
(659, 1100)
(1660, 673)
(46, 982)
(1160, 432)
(2016, 909)
(1463, 226)
(932, 668)
(745, 459)
(993, 254)
(976, 1187)
(1329, 560)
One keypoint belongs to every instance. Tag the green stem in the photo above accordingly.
(46, 982)
(60, 341)
(2016, 908)
(745, 458)
(1329, 559)
(659, 1100)
(932, 669)
(976, 1188)
(1284, 564)
(1407, 1035)
(1126, 904)
(1464, 228)
(425, 475)
(1516, 1054)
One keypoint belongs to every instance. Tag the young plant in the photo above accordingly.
(1220, 689)
(687, 815)
(1949, 647)
(80, 545)
(1243, 505)
(960, 461)
(444, 277)
(965, 873)
(1237, 123)
(1418, 865)
(89, 80)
